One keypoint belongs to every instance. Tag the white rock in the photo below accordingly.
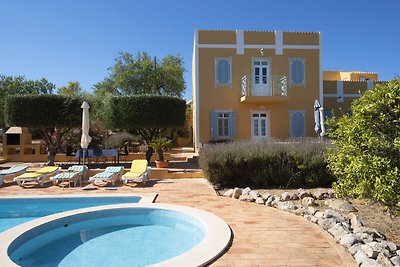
(286, 206)
(228, 193)
(319, 214)
(237, 192)
(246, 198)
(303, 194)
(311, 210)
(259, 200)
(266, 195)
(340, 204)
(285, 196)
(369, 251)
(326, 223)
(300, 211)
(333, 214)
(308, 201)
(348, 240)
(269, 200)
(383, 260)
(338, 231)
(254, 194)
(360, 257)
(355, 222)
(246, 191)
(395, 260)
(354, 248)
(389, 245)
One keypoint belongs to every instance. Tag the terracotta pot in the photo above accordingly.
(162, 164)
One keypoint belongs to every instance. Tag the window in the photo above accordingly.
(223, 71)
(297, 124)
(223, 124)
(297, 71)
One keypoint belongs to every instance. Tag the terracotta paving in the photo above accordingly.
(262, 236)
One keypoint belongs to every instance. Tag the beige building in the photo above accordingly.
(263, 84)
(255, 84)
(342, 87)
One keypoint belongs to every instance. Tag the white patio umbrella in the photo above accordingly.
(85, 138)
(319, 119)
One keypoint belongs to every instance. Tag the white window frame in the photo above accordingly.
(292, 83)
(221, 116)
(268, 121)
(229, 59)
(291, 112)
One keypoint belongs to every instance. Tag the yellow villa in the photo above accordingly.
(263, 84)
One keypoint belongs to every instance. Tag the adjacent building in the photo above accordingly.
(263, 84)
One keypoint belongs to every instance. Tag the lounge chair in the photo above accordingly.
(139, 172)
(110, 174)
(11, 173)
(71, 175)
(40, 176)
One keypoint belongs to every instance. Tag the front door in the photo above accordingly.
(260, 125)
(261, 78)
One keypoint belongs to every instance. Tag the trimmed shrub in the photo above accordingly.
(266, 164)
(146, 111)
(43, 111)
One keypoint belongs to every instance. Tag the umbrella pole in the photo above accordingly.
(80, 176)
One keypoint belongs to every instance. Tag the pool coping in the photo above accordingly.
(145, 197)
(217, 239)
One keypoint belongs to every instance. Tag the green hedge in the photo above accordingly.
(266, 164)
(43, 111)
(145, 111)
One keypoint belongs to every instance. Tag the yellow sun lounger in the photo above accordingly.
(40, 176)
(11, 173)
(139, 172)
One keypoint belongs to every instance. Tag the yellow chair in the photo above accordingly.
(39, 176)
(139, 172)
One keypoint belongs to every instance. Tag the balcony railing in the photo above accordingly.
(276, 87)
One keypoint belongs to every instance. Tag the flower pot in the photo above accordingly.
(162, 164)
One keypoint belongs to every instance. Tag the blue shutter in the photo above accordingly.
(232, 124)
(298, 122)
(214, 124)
(297, 71)
(223, 71)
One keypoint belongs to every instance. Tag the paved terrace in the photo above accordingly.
(263, 236)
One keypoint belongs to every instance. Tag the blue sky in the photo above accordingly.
(78, 40)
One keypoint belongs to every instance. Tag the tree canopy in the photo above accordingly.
(72, 89)
(144, 75)
(19, 85)
(52, 115)
(366, 152)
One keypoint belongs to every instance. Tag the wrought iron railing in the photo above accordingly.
(277, 86)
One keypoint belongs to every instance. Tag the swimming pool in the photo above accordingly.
(15, 211)
(118, 235)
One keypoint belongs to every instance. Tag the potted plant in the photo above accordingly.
(160, 144)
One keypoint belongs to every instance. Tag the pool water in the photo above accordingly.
(15, 211)
(124, 237)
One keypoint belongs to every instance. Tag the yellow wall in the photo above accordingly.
(211, 97)
(336, 75)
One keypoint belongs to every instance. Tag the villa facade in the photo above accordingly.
(263, 84)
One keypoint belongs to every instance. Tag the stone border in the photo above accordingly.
(367, 245)
(214, 244)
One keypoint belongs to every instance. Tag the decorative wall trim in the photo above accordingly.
(278, 42)
(197, 144)
(339, 90)
(240, 42)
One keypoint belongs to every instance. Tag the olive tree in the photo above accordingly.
(366, 153)
(51, 115)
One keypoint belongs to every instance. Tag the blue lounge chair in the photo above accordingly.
(71, 175)
(11, 173)
(110, 174)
